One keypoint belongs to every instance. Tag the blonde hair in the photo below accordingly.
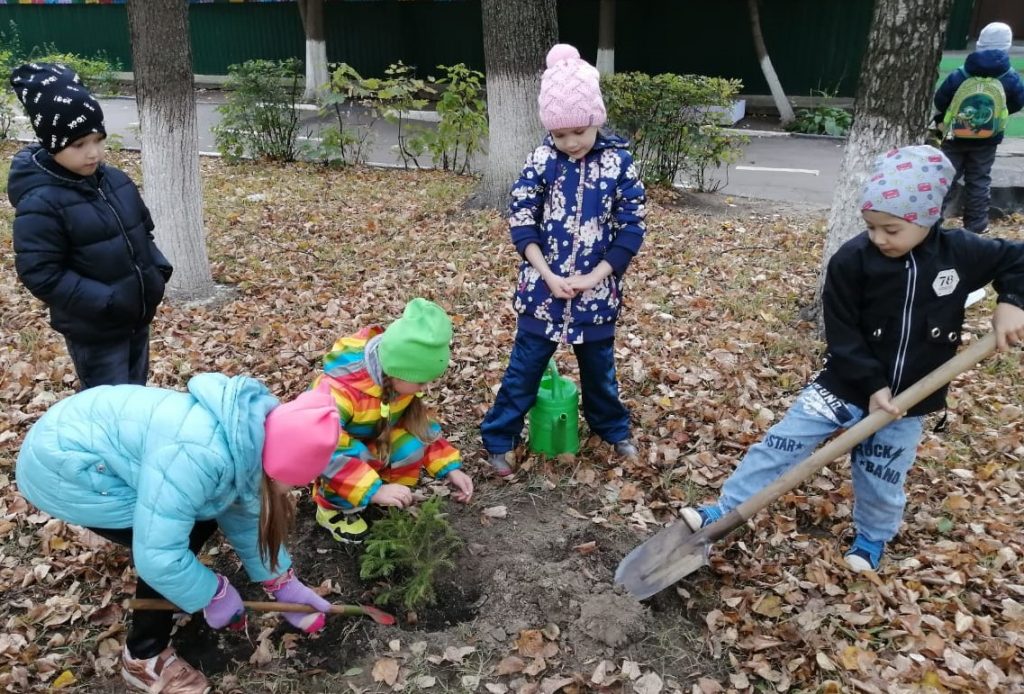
(415, 419)
(277, 517)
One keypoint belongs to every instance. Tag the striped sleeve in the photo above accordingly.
(350, 479)
(441, 457)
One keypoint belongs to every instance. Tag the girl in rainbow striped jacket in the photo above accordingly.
(387, 436)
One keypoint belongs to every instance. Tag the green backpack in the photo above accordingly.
(978, 110)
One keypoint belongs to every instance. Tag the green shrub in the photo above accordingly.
(97, 73)
(822, 120)
(9, 108)
(400, 91)
(462, 128)
(343, 143)
(674, 124)
(10, 46)
(259, 118)
(409, 549)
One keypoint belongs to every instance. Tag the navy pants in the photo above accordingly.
(111, 363)
(604, 412)
(973, 165)
(150, 631)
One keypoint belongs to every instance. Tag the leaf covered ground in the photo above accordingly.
(711, 350)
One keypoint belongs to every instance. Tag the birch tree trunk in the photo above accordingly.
(606, 38)
(517, 36)
(778, 94)
(312, 14)
(892, 107)
(162, 56)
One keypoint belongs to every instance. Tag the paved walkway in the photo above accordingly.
(775, 167)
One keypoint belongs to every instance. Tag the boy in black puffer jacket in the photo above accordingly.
(83, 238)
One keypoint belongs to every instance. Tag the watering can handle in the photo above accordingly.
(552, 370)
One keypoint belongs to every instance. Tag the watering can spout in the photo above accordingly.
(561, 433)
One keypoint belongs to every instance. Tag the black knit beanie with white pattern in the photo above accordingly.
(60, 107)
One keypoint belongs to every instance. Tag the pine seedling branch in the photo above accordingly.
(409, 551)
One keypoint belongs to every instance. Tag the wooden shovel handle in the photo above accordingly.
(377, 615)
(846, 441)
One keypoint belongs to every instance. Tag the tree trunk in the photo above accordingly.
(606, 38)
(893, 104)
(162, 56)
(312, 14)
(514, 61)
(778, 94)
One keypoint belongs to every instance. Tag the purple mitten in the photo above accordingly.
(287, 588)
(226, 608)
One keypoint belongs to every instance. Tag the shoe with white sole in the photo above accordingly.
(165, 673)
(864, 554)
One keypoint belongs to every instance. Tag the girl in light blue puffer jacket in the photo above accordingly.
(161, 471)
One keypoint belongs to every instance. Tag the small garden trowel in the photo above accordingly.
(677, 551)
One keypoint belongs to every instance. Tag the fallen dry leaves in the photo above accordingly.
(711, 350)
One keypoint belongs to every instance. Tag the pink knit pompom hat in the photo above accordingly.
(570, 91)
(300, 437)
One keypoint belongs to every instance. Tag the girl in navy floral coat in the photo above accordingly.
(577, 218)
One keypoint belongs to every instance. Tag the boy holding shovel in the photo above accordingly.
(893, 306)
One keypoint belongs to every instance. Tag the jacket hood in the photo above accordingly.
(32, 167)
(349, 363)
(241, 405)
(604, 141)
(992, 63)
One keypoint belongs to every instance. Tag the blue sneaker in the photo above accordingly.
(864, 554)
(697, 518)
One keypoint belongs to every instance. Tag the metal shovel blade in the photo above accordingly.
(670, 555)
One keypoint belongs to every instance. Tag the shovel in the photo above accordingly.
(379, 616)
(677, 551)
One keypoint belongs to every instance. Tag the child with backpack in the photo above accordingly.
(577, 219)
(388, 437)
(893, 305)
(973, 104)
(83, 238)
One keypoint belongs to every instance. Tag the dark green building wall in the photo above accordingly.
(816, 45)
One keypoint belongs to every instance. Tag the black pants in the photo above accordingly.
(150, 631)
(111, 363)
(973, 165)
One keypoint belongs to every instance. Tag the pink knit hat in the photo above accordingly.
(570, 91)
(300, 437)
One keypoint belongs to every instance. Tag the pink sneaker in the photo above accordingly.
(165, 673)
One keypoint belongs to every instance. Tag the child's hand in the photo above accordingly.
(463, 483)
(559, 286)
(392, 495)
(581, 283)
(1008, 324)
(226, 608)
(882, 400)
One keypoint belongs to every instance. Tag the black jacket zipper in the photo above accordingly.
(131, 253)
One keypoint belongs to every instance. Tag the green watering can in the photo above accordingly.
(554, 418)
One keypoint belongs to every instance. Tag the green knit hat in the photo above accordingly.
(415, 347)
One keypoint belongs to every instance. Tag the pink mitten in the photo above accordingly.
(226, 608)
(287, 588)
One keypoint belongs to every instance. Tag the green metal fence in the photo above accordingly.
(814, 44)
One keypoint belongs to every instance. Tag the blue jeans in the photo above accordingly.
(604, 412)
(879, 464)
